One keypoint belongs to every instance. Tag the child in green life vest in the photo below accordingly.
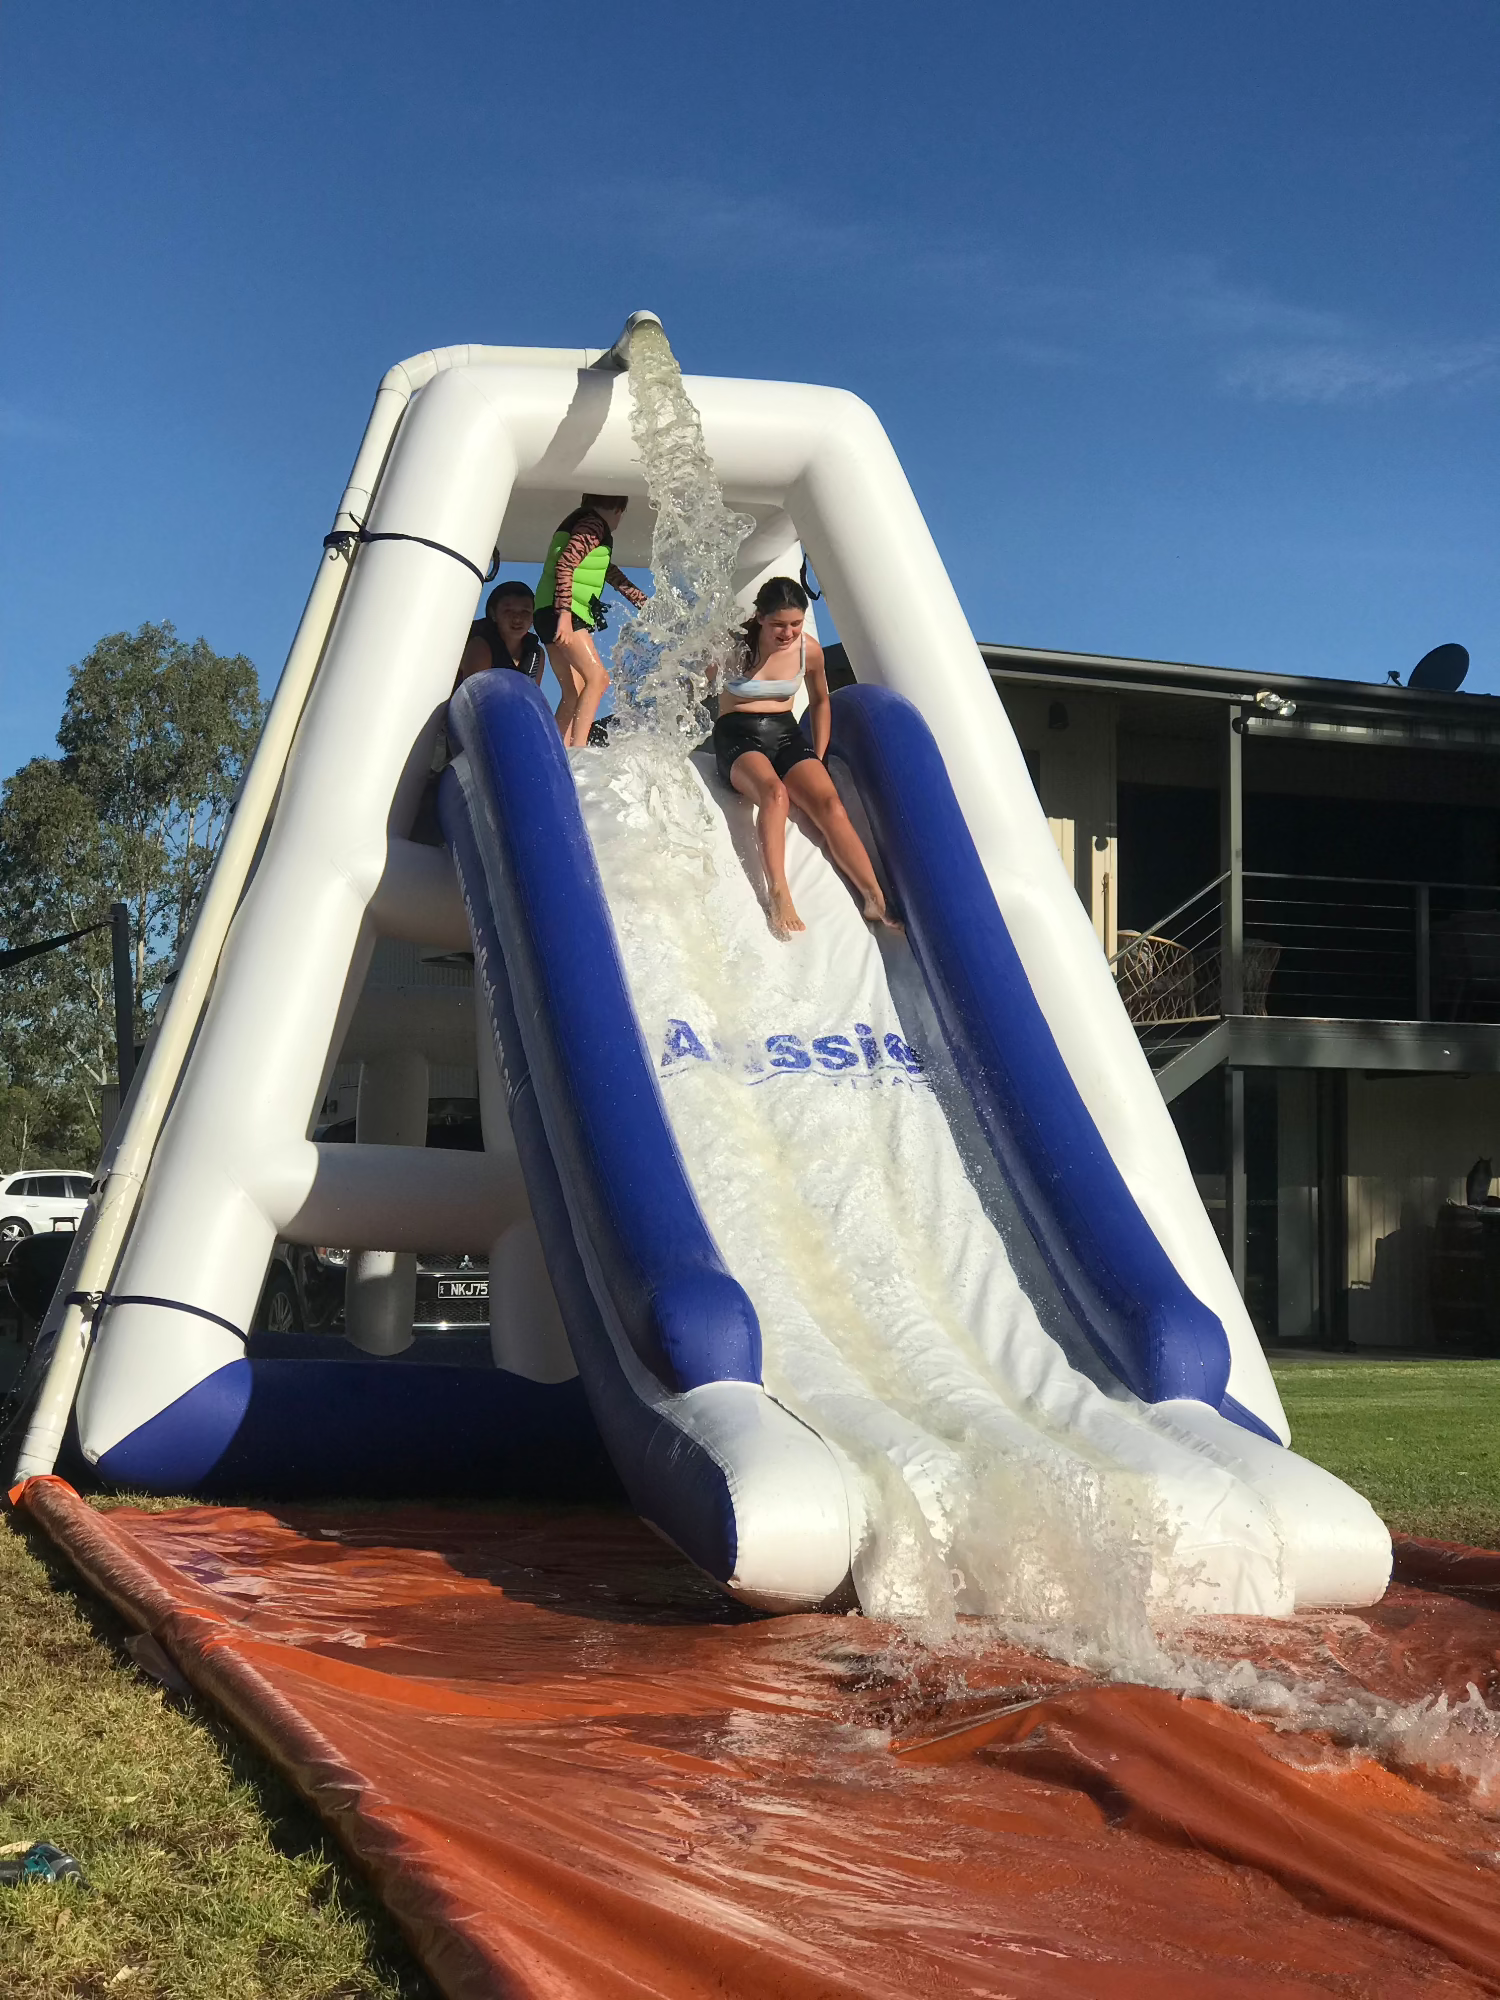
(568, 612)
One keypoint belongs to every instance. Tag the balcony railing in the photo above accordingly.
(1331, 946)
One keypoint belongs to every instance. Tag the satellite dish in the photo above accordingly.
(1441, 671)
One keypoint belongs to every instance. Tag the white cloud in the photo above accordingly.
(1335, 372)
(996, 304)
(700, 223)
(1192, 295)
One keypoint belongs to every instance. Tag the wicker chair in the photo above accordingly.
(1258, 962)
(1157, 979)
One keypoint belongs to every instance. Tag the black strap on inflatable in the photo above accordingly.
(95, 1302)
(815, 595)
(343, 541)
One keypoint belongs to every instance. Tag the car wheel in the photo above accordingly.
(278, 1311)
(13, 1230)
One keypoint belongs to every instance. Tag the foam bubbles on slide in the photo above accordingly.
(991, 1477)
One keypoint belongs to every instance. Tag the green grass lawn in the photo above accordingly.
(1420, 1439)
(208, 1879)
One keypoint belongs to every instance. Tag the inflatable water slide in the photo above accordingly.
(869, 1265)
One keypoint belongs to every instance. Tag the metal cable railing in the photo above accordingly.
(1335, 947)
(1168, 974)
(1356, 948)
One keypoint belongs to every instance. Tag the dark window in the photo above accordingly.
(1169, 849)
(1388, 839)
(54, 1187)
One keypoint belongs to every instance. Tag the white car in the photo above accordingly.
(34, 1203)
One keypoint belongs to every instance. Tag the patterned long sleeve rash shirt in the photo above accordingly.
(589, 533)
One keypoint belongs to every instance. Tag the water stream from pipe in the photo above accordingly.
(667, 654)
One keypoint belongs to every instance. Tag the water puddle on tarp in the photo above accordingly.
(574, 1770)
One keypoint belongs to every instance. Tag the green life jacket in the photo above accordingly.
(588, 578)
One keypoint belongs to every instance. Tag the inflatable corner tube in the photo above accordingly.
(1337, 1548)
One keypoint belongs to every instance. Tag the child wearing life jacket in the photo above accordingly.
(568, 610)
(503, 636)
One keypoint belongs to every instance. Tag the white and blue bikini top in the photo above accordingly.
(748, 688)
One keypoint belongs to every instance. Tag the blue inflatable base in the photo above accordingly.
(365, 1429)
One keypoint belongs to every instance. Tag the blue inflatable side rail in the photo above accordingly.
(1157, 1337)
(626, 1186)
(616, 1215)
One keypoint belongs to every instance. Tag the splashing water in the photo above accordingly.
(991, 1480)
(668, 653)
(848, 1277)
(969, 1537)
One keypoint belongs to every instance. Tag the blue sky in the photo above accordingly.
(1183, 318)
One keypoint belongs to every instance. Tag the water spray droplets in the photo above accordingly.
(666, 654)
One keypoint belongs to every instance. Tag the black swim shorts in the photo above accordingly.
(776, 736)
(546, 625)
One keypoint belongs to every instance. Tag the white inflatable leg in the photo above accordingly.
(380, 1300)
(233, 1168)
(527, 1336)
(380, 1297)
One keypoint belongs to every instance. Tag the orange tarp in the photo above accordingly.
(576, 1773)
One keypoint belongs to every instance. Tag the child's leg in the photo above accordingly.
(569, 681)
(591, 678)
(815, 793)
(753, 778)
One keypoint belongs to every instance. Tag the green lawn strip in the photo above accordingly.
(209, 1879)
(1420, 1439)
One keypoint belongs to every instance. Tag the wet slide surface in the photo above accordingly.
(576, 1773)
(992, 1462)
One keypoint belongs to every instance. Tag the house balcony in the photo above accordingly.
(1269, 970)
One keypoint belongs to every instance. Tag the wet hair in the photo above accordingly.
(512, 587)
(778, 593)
(596, 500)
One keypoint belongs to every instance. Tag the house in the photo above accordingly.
(1298, 883)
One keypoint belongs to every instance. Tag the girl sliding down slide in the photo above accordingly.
(760, 750)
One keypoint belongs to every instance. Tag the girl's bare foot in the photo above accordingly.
(783, 918)
(875, 912)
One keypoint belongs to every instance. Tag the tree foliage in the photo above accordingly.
(154, 735)
(44, 1128)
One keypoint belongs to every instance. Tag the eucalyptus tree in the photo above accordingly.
(154, 735)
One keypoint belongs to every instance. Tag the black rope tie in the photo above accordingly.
(815, 595)
(343, 541)
(94, 1303)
